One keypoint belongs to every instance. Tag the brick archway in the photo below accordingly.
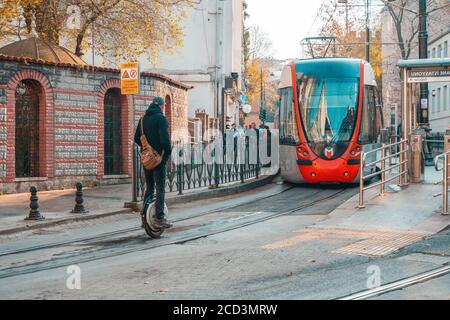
(127, 128)
(46, 123)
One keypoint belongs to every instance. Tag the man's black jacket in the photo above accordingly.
(156, 131)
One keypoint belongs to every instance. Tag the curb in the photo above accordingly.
(222, 191)
(211, 193)
(51, 223)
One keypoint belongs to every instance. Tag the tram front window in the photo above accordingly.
(328, 107)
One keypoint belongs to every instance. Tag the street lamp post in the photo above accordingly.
(423, 54)
(367, 31)
(262, 91)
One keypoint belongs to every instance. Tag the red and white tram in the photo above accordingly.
(330, 111)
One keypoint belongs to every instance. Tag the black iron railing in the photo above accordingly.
(434, 143)
(192, 166)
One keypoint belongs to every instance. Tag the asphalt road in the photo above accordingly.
(256, 245)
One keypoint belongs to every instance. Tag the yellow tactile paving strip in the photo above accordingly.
(381, 244)
(373, 243)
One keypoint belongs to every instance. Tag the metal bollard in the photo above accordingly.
(34, 206)
(445, 186)
(383, 170)
(79, 207)
(361, 182)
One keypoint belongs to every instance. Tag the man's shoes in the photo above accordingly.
(149, 200)
(162, 223)
(143, 220)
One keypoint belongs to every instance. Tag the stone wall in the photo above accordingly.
(71, 125)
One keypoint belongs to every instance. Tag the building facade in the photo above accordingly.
(439, 92)
(211, 59)
(63, 121)
(437, 23)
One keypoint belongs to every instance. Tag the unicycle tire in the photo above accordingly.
(151, 230)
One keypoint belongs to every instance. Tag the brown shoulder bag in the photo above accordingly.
(150, 158)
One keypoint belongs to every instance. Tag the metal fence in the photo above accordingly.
(445, 177)
(434, 144)
(191, 170)
(388, 153)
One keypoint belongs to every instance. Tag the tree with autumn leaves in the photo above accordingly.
(258, 52)
(351, 36)
(124, 29)
(258, 75)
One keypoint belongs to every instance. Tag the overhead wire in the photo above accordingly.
(317, 15)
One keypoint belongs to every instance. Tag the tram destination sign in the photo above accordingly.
(434, 75)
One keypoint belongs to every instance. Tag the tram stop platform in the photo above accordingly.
(416, 209)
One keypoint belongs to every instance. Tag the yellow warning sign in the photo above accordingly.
(129, 78)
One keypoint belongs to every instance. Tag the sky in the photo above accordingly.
(286, 22)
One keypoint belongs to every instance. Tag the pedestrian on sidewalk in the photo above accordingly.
(157, 134)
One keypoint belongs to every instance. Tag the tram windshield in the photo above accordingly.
(328, 108)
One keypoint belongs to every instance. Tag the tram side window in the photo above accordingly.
(282, 114)
(288, 126)
(367, 132)
(379, 113)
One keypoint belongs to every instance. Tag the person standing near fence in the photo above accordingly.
(157, 134)
(429, 139)
(268, 142)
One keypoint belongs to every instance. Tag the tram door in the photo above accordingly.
(113, 132)
(27, 129)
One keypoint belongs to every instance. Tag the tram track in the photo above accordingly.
(399, 284)
(132, 229)
(93, 254)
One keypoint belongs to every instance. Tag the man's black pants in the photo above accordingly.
(156, 180)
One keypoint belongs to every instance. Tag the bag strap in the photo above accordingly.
(143, 134)
(142, 125)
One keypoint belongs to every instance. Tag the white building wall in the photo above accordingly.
(213, 43)
(439, 92)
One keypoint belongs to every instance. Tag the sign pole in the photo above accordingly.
(423, 54)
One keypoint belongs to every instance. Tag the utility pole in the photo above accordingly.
(367, 31)
(423, 54)
(346, 18)
(345, 2)
(218, 86)
(262, 94)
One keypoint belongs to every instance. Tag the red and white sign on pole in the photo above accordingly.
(129, 78)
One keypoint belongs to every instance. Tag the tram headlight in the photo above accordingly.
(302, 152)
(355, 151)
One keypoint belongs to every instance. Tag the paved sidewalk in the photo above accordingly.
(102, 201)
(416, 208)
(390, 222)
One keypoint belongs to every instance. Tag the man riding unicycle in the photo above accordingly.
(154, 127)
